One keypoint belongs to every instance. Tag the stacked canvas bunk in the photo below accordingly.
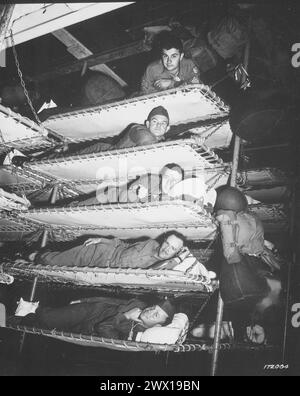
(21, 133)
(193, 109)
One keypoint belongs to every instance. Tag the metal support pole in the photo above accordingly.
(233, 177)
(217, 338)
(54, 194)
(44, 239)
(34, 286)
(220, 309)
(291, 264)
(33, 290)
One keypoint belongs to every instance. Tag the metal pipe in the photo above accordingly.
(291, 264)
(217, 338)
(235, 162)
(54, 195)
(220, 309)
(33, 289)
(44, 239)
(35, 281)
(233, 177)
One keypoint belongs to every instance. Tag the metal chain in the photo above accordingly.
(22, 80)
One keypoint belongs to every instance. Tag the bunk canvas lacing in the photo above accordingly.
(211, 130)
(161, 279)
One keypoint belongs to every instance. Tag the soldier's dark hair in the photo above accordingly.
(176, 233)
(172, 166)
(167, 41)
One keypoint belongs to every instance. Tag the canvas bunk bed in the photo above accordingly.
(81, 174)
(185, 104)
(84, 173)
(150, 219)
(133, 346)
(21, 133)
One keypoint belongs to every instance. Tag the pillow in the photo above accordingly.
(174, 332)
(189, 265)
(194, 187)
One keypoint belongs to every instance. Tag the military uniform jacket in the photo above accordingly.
(188, 74)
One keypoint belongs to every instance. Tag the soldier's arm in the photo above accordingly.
(193, 76)
(147, 83)
(141, 136)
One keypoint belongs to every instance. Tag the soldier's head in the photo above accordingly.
(158, 121)
(157, 314)
(171, 175)
(171, 51)
(171, 246)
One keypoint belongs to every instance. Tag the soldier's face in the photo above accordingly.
(170, 178)
(171, 59)
(158, 125)
(152, 316)
(170, 247)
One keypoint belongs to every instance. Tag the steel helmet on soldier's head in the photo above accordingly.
(230, 198)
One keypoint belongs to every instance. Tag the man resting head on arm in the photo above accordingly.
(105, 317)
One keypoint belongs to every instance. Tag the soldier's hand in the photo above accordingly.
(164, 83)
(199, 140)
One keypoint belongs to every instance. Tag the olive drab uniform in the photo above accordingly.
(112, 253)
(135, 135)
(101, 316)
(243, 269)
(188, 74)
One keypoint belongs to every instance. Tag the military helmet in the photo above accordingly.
(230, 198)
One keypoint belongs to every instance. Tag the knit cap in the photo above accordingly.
(159, 110)
(168, 307)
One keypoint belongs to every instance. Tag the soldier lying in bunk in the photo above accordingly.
(172, 70)
(167, 184)
(250, 285)
(171, 254)
(114, 253)
(107, 317)
(152, 131)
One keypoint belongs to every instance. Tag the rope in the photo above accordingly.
(214, 130)
(173, 288)
(28, 266)
(214, 180)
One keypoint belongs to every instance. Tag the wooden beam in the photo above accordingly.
(80, 51)
(125, 51)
